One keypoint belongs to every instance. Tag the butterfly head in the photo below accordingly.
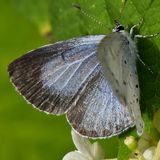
(118, 27)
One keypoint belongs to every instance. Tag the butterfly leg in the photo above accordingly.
(139, 58)
(146, 36)
(136, 25)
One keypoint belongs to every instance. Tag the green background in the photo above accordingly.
(26, 133)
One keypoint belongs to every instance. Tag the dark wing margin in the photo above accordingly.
(51, 77)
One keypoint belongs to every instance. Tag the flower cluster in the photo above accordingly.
(141, 150)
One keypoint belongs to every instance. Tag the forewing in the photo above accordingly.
(52, 77)
(98, 112)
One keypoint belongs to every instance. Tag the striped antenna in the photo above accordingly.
(77, 6)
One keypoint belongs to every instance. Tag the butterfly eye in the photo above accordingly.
(120, 28)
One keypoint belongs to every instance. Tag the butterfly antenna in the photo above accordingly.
(149, 69)
(77, 6)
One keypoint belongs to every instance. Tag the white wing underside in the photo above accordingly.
(117, 54)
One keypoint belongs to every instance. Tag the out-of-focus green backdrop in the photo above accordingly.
(26, 133)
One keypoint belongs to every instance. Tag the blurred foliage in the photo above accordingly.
(26, 133)
(37, 11)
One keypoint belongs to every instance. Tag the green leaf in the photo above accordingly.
(68, 21)
(123, 152)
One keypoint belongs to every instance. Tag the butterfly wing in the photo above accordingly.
(113, 53)
(67, 77)
(50, 77)
(118, 52)
(98, 112)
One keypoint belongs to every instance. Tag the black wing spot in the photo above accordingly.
(137, 100)
(134, 95)
(117, 90)
(117, 82)
(124, 82)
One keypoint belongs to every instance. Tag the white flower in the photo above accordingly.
(85, 149)
(152, 153)
(149, 153)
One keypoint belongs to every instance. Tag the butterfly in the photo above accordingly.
(92, 79)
